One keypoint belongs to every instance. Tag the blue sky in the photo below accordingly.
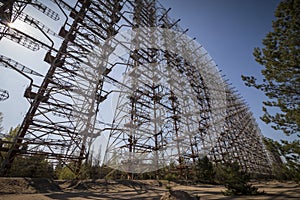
(228, 30)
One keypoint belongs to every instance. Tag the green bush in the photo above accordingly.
(35, 166)
(235, 180)
(205, 172)
(66, 174)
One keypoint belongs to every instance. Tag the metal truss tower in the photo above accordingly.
(171, 104)
(241, 140)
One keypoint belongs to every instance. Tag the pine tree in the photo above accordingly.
(205, 171)
(280, 57)
(290, 168)
(235, 180)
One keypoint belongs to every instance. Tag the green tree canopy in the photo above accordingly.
(280, 57)
(289, 167)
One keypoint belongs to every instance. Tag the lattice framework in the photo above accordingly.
(62, 121)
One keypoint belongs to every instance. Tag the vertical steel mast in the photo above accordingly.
(61, 119)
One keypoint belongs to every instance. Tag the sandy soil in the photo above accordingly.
(43, 189)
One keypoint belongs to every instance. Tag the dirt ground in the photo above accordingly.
(44, 189)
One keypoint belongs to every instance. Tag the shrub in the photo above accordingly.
(235, 180)
(205, 172)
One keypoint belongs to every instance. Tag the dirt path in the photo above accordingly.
(134, 190)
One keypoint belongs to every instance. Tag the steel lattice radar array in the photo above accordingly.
(127, 71)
